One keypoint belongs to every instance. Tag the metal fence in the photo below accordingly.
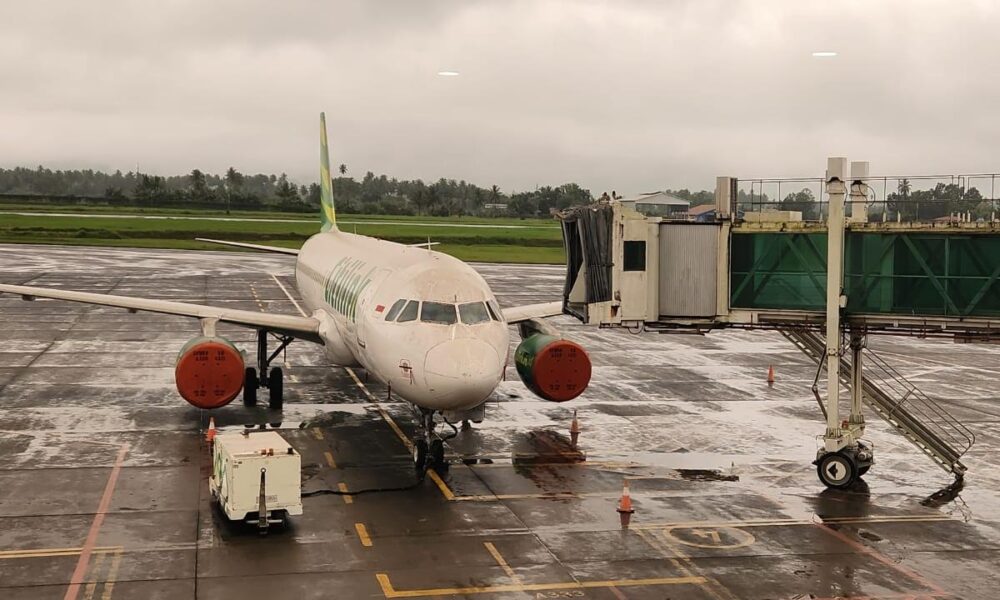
(967, 197)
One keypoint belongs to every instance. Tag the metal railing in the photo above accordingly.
(963, 197)
(911, 412)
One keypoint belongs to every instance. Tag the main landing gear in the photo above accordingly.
(428, 450)
(270, 378)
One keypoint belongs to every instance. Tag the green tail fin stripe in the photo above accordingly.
(327, 213)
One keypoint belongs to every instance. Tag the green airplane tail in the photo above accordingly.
(327, 213)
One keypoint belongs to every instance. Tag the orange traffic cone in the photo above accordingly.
(574, 431)
(210, 434)
(770, 375)
(625, 509)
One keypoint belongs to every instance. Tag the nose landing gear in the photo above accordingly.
(428, 450)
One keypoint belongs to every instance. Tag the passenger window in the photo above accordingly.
(473, 312)
(398, 306)
(494, 310)
(437, 312)
(410, 312)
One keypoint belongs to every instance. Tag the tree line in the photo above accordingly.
(232, 190)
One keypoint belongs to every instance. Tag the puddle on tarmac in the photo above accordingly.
(706, 475)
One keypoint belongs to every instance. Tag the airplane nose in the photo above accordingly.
(462, 373)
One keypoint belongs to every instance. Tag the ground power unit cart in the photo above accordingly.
(256, 477)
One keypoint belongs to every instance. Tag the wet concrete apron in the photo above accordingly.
(103, 492)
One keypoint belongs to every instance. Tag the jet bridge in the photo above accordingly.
(827, 275)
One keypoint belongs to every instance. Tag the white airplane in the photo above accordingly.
(424, 323)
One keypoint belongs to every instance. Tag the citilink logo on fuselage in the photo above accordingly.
(344, 284)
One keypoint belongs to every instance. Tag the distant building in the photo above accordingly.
(496, 205)
(659, 204)
(702, 213)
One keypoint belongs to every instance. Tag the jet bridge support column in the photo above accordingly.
(843, 458)
(835, 175)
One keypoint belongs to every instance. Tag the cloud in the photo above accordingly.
(633, 96)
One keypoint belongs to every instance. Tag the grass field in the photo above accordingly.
(493, 240)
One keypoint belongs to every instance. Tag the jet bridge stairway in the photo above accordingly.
(908, 410)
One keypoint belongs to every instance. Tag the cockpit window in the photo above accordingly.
(410, 312)
(494, 310)
(437, 312)
(398, 306)
(473, 312)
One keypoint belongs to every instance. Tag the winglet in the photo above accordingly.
(327, 213)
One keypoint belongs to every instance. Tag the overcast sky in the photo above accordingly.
(633, 96)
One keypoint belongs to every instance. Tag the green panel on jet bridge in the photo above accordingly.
(918, 273)
(902, 273)
(784, 271)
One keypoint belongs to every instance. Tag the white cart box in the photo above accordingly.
(256, 471)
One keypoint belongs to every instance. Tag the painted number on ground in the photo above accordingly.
(721, 538)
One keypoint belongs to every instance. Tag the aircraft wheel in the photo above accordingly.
(437, 453)
(836, 470)
(276, 388)
(420, 456)
(250, 385)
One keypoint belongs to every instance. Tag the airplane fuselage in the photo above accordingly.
(420, 321)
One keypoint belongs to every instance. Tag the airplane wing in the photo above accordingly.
(277, 249)
(306, 328)
(516, 314)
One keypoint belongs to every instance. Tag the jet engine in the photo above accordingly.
(556, 369)
(209, 372)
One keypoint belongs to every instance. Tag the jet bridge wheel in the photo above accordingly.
(837, 470)
(275, 388)
(250, 385)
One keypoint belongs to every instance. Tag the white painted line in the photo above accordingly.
(284, 289)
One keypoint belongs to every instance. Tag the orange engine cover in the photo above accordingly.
(555, 369)
(209, 372)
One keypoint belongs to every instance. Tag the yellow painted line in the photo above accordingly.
(783, 522)
(445, 490)
(390, 592)
(109, 585)
(317, 433)
(343, 488)
(329, 460)
(681, 561)
(505, 462)
(360, 384)
(366, 541)
(95, 570)
(284, 289)
(47, 552)
(503, 563)
(552, 496)
(399, 432)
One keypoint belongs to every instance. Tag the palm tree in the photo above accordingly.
(903, 188)
(343, 169)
